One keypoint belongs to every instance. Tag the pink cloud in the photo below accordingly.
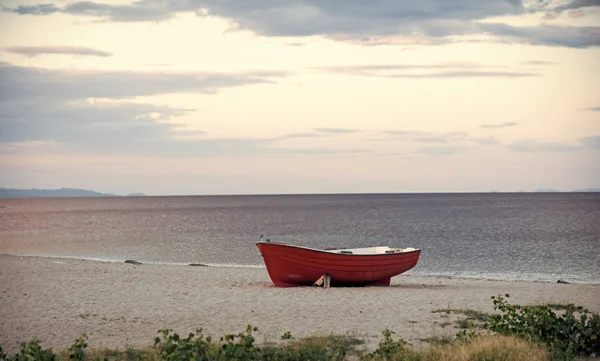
(550, 16)
(575, 14)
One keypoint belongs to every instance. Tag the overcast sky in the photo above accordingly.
(314, 96)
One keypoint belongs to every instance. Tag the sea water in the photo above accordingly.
(512, 236)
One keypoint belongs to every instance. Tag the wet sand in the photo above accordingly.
(118, 305)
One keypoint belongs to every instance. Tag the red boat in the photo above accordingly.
(290, 266)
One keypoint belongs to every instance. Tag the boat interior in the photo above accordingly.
(358, 251)
(371, 250)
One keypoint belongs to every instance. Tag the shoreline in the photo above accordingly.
(142, 262)
(262, 267)
(118, 304)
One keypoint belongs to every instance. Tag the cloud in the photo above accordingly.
(128, 128)
(597, 109)
(277, 151)
(316, 133)
(297, 136)
(551, 15)
(446, 143)
(28, 83)
(577, 4)
(96, 113)
(425, 21)
(501, 125)
(591, 142)
(576, 14)
(94, 123)
(534, 146)
(442, 150)
(295, 43)
(285, 15)
(427, 137)
(562, 36)
(31, 51)
(539, 62)
(449, 70)
(335, 130)
(484, 140)
(467, 74)
(41, 9)
(556, 9)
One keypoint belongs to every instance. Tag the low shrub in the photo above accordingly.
(29, 351)
(242, 347)
(574, 332)
(486, 348)
(390, 350)
(557, 332)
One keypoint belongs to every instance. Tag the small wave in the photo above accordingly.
(226, 265)
(142, 261)
(456, 275)
(503, 277)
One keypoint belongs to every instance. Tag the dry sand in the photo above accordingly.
(116, 304)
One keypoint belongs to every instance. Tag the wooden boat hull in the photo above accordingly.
(290, 266)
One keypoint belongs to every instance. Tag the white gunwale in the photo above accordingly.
(365, 251)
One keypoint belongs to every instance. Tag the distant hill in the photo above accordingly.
(54, 193)
(584, 190)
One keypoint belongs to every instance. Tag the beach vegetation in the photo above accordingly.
(488, 348)
(327, 347)
(472, 319)
(471, 314)
(390, 349)
(439, 339)
(513, 333)
(574, 331)
(566, 330)
(197, 347)
(31, 350)
(77, 350)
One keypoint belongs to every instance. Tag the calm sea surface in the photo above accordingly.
(522, 236)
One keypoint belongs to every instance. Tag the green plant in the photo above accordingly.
(199, 348)
(465, 323)
(466, 336)
(392, 350)
(31, 351)
(575, 332)
(470, 313)
(439, 340)
(77, 350)
(174, 348)
(287, 335)
(330, 348)
(474, 318)
(486, 348)
(244, 349)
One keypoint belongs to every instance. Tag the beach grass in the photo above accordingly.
(489, 348)
(316, 348)
(471, 314)
(516, 333)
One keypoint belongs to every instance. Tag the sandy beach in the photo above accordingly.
(117, 304)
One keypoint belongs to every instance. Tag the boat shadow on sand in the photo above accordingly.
(392, 286)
